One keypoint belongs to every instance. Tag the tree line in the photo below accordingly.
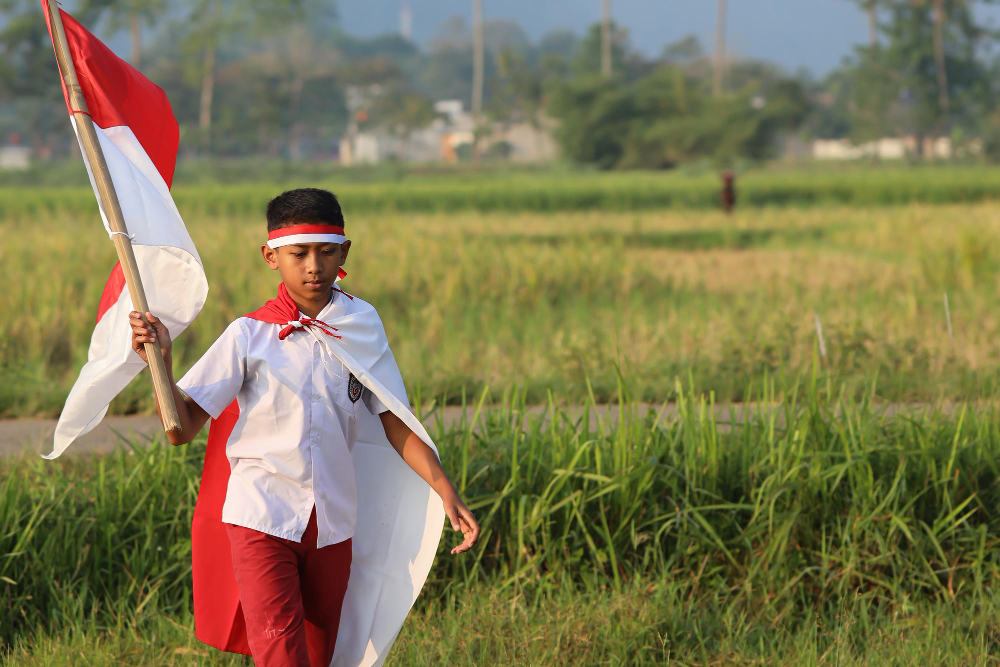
(282, 79)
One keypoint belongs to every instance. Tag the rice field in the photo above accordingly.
(549, 302)
(242, 189)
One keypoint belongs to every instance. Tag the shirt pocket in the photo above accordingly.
(345, 389)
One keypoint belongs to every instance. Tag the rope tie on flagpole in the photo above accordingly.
(111, 235)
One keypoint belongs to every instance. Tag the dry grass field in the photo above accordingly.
(547, 302)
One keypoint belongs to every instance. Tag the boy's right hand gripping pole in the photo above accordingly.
(161, 385)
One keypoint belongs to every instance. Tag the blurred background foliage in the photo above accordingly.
(241, 88)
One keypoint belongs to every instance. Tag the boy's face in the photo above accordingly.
(308, 270)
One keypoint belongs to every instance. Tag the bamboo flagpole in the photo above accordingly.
(108, 199)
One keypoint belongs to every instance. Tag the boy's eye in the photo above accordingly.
(300, 255)
(327, 252)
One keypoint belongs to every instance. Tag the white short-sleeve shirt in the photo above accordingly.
(290, 449)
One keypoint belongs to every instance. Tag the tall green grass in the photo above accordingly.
(800, 514)
(650, 622)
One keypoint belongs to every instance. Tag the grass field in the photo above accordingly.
(815, 531)
(821, 531)
(545, 301)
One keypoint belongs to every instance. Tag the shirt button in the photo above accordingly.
(316, 397)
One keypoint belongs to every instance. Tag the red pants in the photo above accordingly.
(282, 585)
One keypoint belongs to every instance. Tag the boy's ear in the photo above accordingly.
(346, 246)
(270, 256)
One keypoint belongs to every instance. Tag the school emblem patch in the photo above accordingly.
(354, 389)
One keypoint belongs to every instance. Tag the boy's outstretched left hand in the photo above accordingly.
(425, 463)
(463, 520)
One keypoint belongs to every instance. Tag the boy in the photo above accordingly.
(284, 386)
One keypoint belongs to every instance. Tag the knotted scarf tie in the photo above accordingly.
(282, 310)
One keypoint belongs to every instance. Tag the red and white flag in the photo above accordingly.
(138, 135)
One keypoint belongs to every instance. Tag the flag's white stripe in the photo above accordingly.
(306, 238)
(172, 276)
(149, 210)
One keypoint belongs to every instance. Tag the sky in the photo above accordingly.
(811, 34)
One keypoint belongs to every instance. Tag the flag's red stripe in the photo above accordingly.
(305, 229)
(112, 290)
(118, 94)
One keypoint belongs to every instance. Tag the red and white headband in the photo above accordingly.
(305, 234)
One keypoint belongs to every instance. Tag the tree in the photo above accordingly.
(560, 43)
(291, 59)
(589, 54)
(29, 77)
(500, 34)
(929, 74)
(125, 13)
(401, 111)
(683, 51)
(665, 118)
(212, 21)
(520, 93)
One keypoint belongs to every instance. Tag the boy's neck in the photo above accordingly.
(310, 307)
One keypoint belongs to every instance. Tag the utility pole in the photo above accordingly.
(477, 72)
(477, 58)
(719, 66)
(942, 74)
(405, 20)
(136, 33)
(606, 38)
(871, 11)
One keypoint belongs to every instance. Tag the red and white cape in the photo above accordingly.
(400, 517)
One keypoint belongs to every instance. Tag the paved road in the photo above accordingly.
(35, 435)
(20, 435)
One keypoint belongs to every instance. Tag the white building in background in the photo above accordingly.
(889, 148)
(528, 143)
(444, 139)
(15, 157)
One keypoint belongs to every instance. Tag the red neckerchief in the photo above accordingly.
(282, 310)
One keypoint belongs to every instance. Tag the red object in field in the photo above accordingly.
(728, 197)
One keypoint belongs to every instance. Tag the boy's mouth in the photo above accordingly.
(315, 284)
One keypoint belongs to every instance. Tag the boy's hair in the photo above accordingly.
(304, 205)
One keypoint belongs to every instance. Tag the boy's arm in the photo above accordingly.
(192, 416)
(425, 463)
